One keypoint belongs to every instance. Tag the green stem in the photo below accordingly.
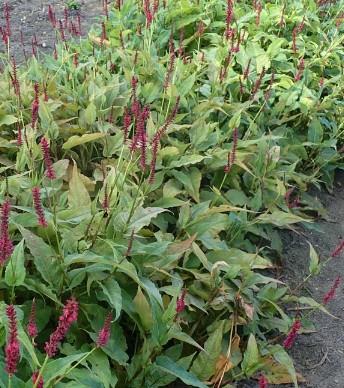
(9, 381)
(75, 365)
(41, 371)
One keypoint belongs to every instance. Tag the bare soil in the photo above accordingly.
(31, 18)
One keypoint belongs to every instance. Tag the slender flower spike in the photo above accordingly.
(37, 203)
(263, 382)
(332, 291)
(232, 154)
(126, 123)
(6, 245)
(32, 326)
(69, 315)
(40, 384)
(12, 350)
(181, 302)
(50, 173)
(338, 249)
(291, 337)
(104, 333)
(35, 106)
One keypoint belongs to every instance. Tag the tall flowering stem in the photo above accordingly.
(291, 337)
(157, 137)
(32, 326)
(338, 249)
(332, 291)
(68, 317)
(35, 106)
(229, 17)
(126, 124)
(6, 245)
(301, 68)
(49, 170)
(258, 83)
(104, 333)
(7, 15)
(37, 202)
(232, 154)
(12, 349)
(171, 63)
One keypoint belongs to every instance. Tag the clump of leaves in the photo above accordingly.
(73, 4)
(157, 160)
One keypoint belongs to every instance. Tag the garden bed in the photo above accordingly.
(148, 171)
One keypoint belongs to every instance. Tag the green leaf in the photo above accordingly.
(186, 160)
(143, 216)
(8, 120)
(143, 309)
(44, 258)
(15, 270)
(191, 181)
(168, 365)
(282, 357)
(90, 114)
(74, 141)
(181, 336)
(78, 196)
(58, 367)
(314, 267)
(251, 356)
(204, 365)
(280, 218)
(112, 291)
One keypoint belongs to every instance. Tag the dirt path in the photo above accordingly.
(319, 356)
(31, 17)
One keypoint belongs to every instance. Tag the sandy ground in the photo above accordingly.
(31, 18)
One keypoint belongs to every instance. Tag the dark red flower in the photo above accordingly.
(6, 245)
(35, 106)
(263, 382)
(49, 170)
(232, 154)
(32, 326)
(156, 139)
(181, 302)
(37, 203)
(338, 249)
(69, 315)
(291, 337)
(12, 349)
(104, 333)
(332, 291)
(40, 384)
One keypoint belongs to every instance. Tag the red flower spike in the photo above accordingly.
(156, 139)
(232, 154)
(37, 202)
(49, 170)
(181, 302)
(40, 384)
(338, 249)
(229, 18)
(291, 337)
(171, 63)
(104, 333)
(6, 245)
(32, 326)
(35, 106)
(7, 15)
(12, 349)
(263, 382)
(68, 317)
(332, 291)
